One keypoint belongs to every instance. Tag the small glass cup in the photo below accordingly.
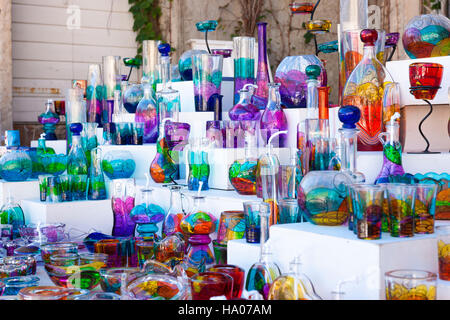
(87, 258)
(145, 251)
(425, 208)
(109, 133)
(443, 238)
(215, 133)
(234, 135)
(53, 194)
(231, 226)
(220, 252)
(238, 275)
(64, 188)
(49, 249)
(111, 279)
(124, 134)
(402, 199)
(43, 187)
(13, 270)
(29, 261)
(78, 187)
(253, 221)
(6, 231)
(206, 285)
(289, 211)
(410, 285)
(138, 133)
(43, 293)
(112, 247)
(14, 284)
(368, 211)
(65, 260)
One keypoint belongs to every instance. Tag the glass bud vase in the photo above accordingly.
(147, 215)
(147, 112)
(198, 225)
(262, 73)
(49, 119)
(273, 118)
(97, 187)
(122, 201)
(12, 214)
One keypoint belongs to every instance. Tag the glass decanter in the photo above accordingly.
(12, 213)
(273, 118)
(198, 225)
(168, 99)
(163, 168)
(49, 119)
(147, 215)
(312, 98)
(122, 201)
(261, 96)
(262, 273)
(365, 89)
(242, 172)
(294, 285)
(244, 108)
(77, 163)
(147, 112)
(175, 213)
(97, 186)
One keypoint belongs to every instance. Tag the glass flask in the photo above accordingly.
(175, 213)
(198, 225)
(118, 164)
(132, 94)
(97, 187)
(122, 201)
(262, 273)
(199, 168)
(163, 168)
(273, 118)
(12, 213)
(365, 89)
(242, 173)
(244, 109)
(392, 151)
(16, 165)
(94, 94)
(147, 215)
(77, 163)
(294, 285)
(49, 119)
(244, 64)
(168, 99)
(312, 97)
(261, 96)
(147, 112)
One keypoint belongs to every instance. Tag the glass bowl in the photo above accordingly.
(318, 26)
(206, 285)
(43, 293)
(20, 261)
(49, 249)
(301, 7)
(410, 285)
(14, 284)
(155, 287)
(118, 165)
(111, 279)
(54, 232)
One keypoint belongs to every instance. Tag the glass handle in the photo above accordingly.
(383, 137)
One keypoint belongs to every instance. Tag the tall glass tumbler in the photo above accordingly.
(425, 208)
(216, 133)
(244, 63)
(150, 56)
(111, 82)
(402, 199)
(369, 211)
(75, 111)
(317, 149)
(289, 211)
(207, 76)
(443, 239)
(94, 94)
(253, 221)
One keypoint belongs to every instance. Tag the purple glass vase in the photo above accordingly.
(244, 108)
(244, 63)
(262, 75)
(123, 201)
(273, 118)
(216, 133)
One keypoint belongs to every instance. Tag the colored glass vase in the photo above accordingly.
(49, 119)
(199, 168)
(122, 201)
(89, 139)
(244, 109)
(244, 64)
(94, 94)
(75, 109)
(273, 118)
(147, 112)
(111, 83)
(150, 63)
(365, 89)
(12, 214)
(147, 215)
(261, 95)
(97, 186)
(77, 163)
(262, 273)
(118, 164)
(175, 212)
(198, 225)
(16, 165)
(163, 168)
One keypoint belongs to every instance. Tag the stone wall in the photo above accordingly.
(5, 66)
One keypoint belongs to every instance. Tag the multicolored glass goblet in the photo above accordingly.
(402, 199)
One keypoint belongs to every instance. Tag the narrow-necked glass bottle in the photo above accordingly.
(168, 99)
(147, 112)
(262, 74)
(12, 213)
(273, 118)
(49, 119)
(244, 108)
(392, 151)
(175, 213)
(76, 161)
(262, 273)
(312, 97)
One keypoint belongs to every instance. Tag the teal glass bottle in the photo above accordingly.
(77, 163)
(12, 213)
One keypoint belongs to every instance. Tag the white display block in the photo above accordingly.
(333, 254)
(399, 70)
(60, 146)
(82, 215)
(197, 121)
(19, 190)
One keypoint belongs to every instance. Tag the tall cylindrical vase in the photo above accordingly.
(111, 81)
(75, 111)
(123, 201)
(244, 63)
(150, 56)
(207, 76)
(262, 76)
(94, 94)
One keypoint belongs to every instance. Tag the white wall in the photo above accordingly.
(48, 55)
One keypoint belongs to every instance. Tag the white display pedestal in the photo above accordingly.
(60, 146)
(19, 190)
(333, 254)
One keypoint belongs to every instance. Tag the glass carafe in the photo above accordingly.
(12, 214)
(49, 119)
(364, 89)
(147, 215)
(198, 225)
(147, 112)
(244, 108)
(77, 163)
(273, 118)
(122, 201)
(97, 187)
(163, 168)
(175, 213)
(262, 273)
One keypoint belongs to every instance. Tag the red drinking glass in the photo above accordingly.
(206, 285)
(425, 79)
(236, 273)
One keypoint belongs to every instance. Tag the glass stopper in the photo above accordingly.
(369, 37)
(349, 116)
(313, 72)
